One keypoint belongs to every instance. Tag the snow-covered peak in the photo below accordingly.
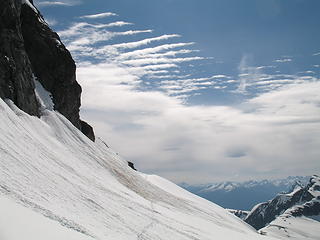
(315, 186)
(288, 183)
(302, 201)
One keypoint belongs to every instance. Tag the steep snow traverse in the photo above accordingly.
(48, 166)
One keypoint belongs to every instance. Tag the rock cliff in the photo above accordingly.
(30, 50)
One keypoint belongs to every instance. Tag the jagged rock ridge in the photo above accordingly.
(30, 50)
(303, 201)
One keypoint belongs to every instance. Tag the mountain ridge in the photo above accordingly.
(302, 201)
(244, 195)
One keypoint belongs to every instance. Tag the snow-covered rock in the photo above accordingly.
(288, 214)
(239, 213)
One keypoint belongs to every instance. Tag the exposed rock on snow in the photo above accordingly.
(87, 130)
(239, 213)
(131, 164)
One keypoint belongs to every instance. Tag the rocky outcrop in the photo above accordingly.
(301, 202)
(87, 130)
(51, 63)
(16, 79)
(239, 213)
(131, 165)
(30, 49)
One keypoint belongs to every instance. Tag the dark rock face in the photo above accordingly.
(87, 130)
(311, 208)
(301, 202)
(16, 79)
(28, 46)
(131, 164)
(52, 64)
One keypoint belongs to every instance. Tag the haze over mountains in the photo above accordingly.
(245, 195)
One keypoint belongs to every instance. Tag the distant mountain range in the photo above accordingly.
(245, 195)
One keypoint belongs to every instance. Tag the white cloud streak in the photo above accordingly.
(144, 41)
(49, 3)
(63, 3)
(284, 60)
(147, 51)
(99, 15)
(146, 61)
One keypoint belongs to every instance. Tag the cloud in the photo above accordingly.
(51, 21)
(247, 74)
(99, 15)
(147, 61)
(144, 41)
(316, 54)
(81, 38)
(276, 126)
(183, 86)
(141, 54)
(259, 137)
(147, 51)
(253, 80)
(95, 37)
(220, 76)
(113, 24)
(265, 67)
(57, 3)
(283, 60)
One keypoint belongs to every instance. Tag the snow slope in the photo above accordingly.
(295, 228)
(18, 222)
(48, 166)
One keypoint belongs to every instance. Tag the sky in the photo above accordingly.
(199, 91)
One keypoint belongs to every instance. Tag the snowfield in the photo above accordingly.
(295, 228)
(57, 184)
(18, 222)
